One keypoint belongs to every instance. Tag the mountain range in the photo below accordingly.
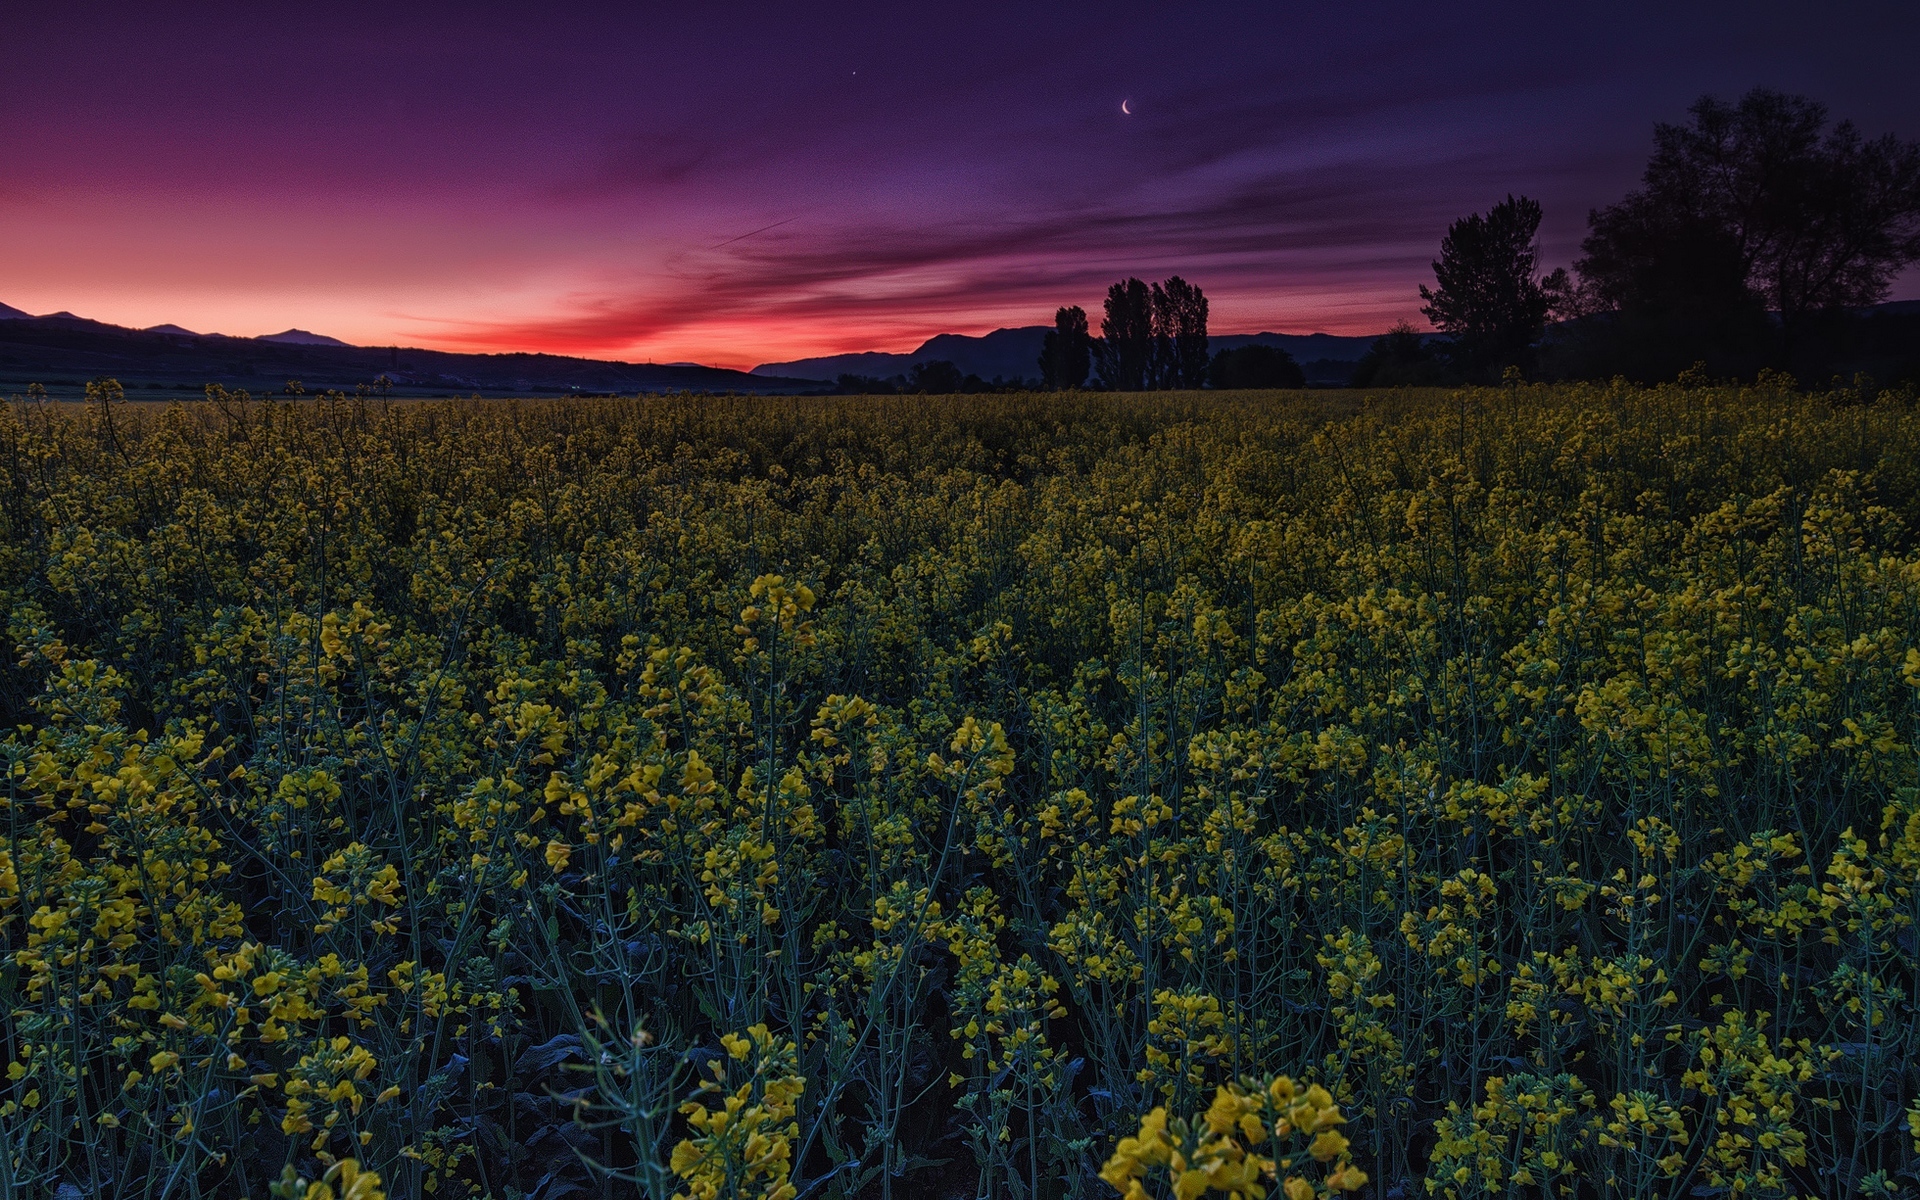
(62, 351)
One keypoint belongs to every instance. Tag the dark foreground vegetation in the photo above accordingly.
(864, 797)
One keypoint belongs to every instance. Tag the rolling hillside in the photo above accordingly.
(62, 351)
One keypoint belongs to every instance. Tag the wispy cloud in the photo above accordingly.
(1259, 235)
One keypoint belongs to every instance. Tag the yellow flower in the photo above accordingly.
(1328, 1145)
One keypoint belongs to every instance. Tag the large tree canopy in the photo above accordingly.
(1761, 197)
(1488, 295)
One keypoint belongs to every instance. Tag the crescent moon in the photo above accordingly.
(1124, 108)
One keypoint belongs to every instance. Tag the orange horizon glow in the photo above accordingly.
(736, 340)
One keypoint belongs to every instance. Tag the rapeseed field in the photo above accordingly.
(1507, 792)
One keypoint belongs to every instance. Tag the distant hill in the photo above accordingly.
(300, 337)
(1014, 354)
(1008, 354)
(62, 349)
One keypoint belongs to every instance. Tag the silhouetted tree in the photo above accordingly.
(937, 378)
(1759, 196)
(1489, 298)
(864, 385)
(1124, 354)
(1067, 353)
(1660, 291)
(1255, 366)
(1179, 334)
(1402, 358)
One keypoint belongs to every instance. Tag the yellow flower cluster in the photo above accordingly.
(743, 1146)
(344, 1180)
(431, 786)
(1246, 1141)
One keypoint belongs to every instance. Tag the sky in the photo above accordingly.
(737, 184)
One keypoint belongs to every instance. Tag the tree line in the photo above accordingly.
(1152, 337)
(1759, 234)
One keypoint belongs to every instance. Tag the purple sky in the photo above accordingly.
(741, 184)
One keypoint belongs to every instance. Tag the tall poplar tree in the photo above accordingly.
(1067, 353)
(1124, 356)
(1179, 334)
